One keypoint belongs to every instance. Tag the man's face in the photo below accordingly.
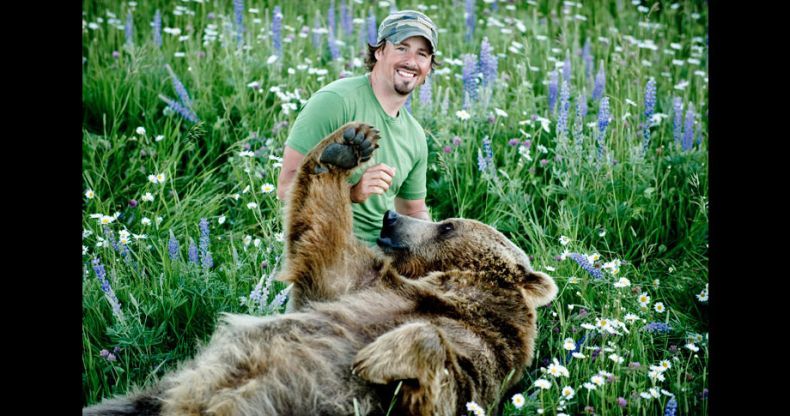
(405, 65)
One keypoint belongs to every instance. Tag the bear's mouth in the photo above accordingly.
(387, 244)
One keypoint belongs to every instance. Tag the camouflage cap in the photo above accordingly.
(405, 24)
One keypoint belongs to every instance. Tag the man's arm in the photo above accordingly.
(291, 160)
(412, 207)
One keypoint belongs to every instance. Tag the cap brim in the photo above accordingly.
(405, 34)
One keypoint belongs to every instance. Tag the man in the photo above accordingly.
(395, 180)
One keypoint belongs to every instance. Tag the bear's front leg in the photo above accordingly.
(319, 234)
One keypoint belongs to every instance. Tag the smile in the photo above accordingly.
(405, 74)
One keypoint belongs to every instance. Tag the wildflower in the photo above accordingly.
(692, 347)
(101, 274)
(470, 20)
(542, 383)
(500, 112)
(630, 317)
(622, 402)
(277, 20)
(655, 375)
(688, 133)
(567, 392)
(659, 307)
(175, 107)
(600, 83)
(157, 32)
(585, 264)
(703, 296)
(518, 400)
(238, 10)
(193, 252)
(221, 219)
(172, 246)
(671, 408)
(89, 194)
(643, 299)
(665, 364)
(590, 386)
(623, 282)
(557, 370)
(597, 380)
(603, 117)
(565, 104)
(252, 205)
(553, 86)
(616, 358)
(106, 219)
(475, 408)
(426, 93)
(469, 77)
(145, 221)
(646, 395)
(153, 179)
(462, 114)
(654, 392)
(160, 178)
(569, 344)
(487, 63)
(129, 28)
(578, 355)
(657, 327)
(677, 106)
(267, 188)
(650, 104)
(148, 197)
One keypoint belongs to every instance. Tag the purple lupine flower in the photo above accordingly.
(372, 28)
(622, 402)
(596, 352)
(238, 10)
(425, 92)
(469, 76)
(183, 96)
(407, 104)
(316, 33)
(133, 203)
(157, 29)
(565, 105)
(650, 106)
(581, 111)
(205, 254)
(634, 365)
(193, 252)
(705, 393)
(277, 26)
(603, 122)
(513, 142)
(672, 407)
(110, 236)
(566, 68)
(581, 259)
(488, 151)
(179, 109)
(116, 54)
(588, 59)
(487, 63)
(129, 29)
(688, 130)
(569, 355)
(104, 353)
(677, 106)
(279, 299)
(333, 49)
(172, 246)
(470, 19)
(600, 83)
(553, 86)
(331, 17)
(456, 141)
(101, 274)
(657, 328)
(345, 18)
(481, 162)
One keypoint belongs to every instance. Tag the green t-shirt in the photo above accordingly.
(402, 145)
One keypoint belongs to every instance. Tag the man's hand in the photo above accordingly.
(376, 180)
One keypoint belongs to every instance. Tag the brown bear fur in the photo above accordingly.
(447, 309)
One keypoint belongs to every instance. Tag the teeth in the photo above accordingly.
(405, 74)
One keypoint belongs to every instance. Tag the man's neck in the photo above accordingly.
(390, 100)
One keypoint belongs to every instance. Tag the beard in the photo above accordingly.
(404, 88)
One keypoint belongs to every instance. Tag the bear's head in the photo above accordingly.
(419, 247)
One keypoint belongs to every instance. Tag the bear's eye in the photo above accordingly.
(445, 229)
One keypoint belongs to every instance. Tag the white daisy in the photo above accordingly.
(654, 392)
(500, 112)
(140, 131)
(89, 194)
(623, 282)
(252, 205)
(567, 392)
(221, 219)
(578, 355)
(646, 395)
(589, 386)
(630, 317)
(564, 240)
(160, 177)
(148, 197)
(145, 221)
(267, 188)
(665, 365)
(153, 179)
(246, 240)
(643, 299)
(692, 347)
(518, 400)
(462, 114)
(159, 138)
(106, 219)
(543, 384)
(616, 358)
(659, 307)
(597, 380)
(569, 344)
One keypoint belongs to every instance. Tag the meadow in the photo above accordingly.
(578, 129)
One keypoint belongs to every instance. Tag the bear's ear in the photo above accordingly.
(538, 286)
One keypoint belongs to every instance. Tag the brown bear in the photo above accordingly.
(444, 310)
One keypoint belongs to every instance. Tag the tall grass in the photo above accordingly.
(638, 213)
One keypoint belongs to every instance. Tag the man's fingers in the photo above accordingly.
(382, 168)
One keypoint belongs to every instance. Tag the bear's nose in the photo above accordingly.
(389, 218)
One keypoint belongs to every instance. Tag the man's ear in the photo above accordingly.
(379, 52)
(538, 286)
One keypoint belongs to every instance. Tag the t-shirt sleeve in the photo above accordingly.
(414, 187)
(323, 114)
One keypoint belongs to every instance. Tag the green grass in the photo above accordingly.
(648, 211)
